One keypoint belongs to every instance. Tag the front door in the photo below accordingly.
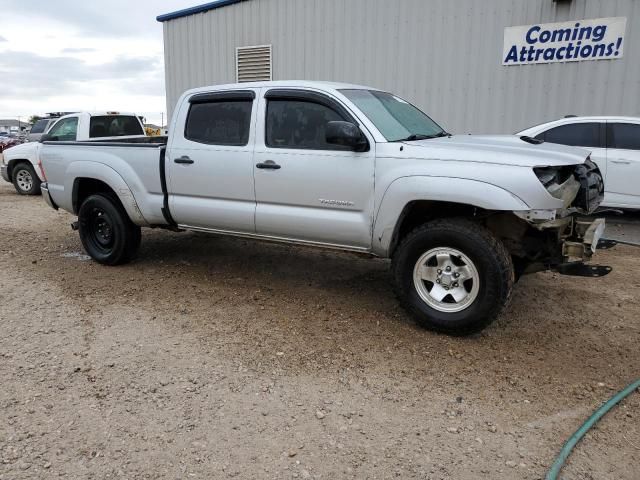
(623, 164)
(307, 189)
(210, 165)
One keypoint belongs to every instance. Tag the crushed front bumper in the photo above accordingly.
(587, 232)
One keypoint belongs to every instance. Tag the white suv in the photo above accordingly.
(614, 143)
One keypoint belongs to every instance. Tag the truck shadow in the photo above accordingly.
(343, 281)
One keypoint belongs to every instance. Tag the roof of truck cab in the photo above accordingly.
(109, 113)
(283, 84)
(99, 114)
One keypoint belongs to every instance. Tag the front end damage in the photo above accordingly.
(564, 238)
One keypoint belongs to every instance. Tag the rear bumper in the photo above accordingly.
(44, 187)
(4, 171)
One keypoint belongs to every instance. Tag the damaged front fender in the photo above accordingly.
(579, 187)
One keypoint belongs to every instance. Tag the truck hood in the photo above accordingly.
(23, 151)
(500, 149)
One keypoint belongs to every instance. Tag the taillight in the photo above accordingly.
(44, 176)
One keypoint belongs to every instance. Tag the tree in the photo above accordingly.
(34, 118)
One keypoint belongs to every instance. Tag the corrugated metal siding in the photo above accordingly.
(443, 55)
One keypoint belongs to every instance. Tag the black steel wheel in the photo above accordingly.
(106, 232)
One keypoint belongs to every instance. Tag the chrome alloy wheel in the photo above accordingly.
(24, 180)
(446, 279)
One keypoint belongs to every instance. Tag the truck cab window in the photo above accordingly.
(64, 130)
(574, 134)
(114, 126)
(299, 124)
(219, 122)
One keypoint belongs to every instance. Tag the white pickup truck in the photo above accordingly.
(345, 167)
(20, 163)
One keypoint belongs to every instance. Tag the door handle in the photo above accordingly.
(268, 165)
(622, 162)
(184, 160)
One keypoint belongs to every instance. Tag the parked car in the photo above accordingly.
(614, 143)
(20, 164)
(40, 127)
(345, 167)
(7, 141)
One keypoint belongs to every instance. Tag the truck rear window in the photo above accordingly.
(114, 126)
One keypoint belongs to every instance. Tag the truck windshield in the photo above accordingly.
(396, 118)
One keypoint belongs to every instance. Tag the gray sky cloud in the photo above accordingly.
(78, 50)
(91, 18)
(81, 55)
(28, 74)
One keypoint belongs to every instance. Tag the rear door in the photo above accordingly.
(209, 164)
(307, 189)
(623, 164)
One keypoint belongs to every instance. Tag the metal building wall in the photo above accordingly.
(443, 55)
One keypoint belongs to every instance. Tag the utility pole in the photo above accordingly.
(161, 119)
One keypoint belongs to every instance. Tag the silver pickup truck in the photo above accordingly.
(345, 167)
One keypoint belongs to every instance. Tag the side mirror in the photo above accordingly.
(44, 138)
(346, 134)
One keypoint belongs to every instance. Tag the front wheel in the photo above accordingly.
(25, 180)
(453, 275)
(106, 232)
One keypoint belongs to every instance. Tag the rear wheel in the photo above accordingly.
(25, 180)
(453, 275)
(106, 232)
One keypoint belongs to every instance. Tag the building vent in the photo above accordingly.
(253, 64)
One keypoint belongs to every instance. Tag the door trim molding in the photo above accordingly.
(271, 238)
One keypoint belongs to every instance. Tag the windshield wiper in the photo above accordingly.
(442, 134)
(419, 136)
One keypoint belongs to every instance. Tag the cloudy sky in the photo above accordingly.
(73, 55)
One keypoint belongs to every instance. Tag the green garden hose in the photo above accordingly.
(554, 471)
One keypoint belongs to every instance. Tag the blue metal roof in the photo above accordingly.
(197, 9)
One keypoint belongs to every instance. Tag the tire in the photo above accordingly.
(106, 232)
(25, 180)
(472, 253)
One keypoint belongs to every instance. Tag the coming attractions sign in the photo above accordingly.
(595, 39)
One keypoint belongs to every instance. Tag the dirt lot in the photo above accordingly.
(213, 358)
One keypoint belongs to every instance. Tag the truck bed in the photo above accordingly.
(134, 165)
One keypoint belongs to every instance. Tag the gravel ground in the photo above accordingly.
(624, 228)
(212, 358)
